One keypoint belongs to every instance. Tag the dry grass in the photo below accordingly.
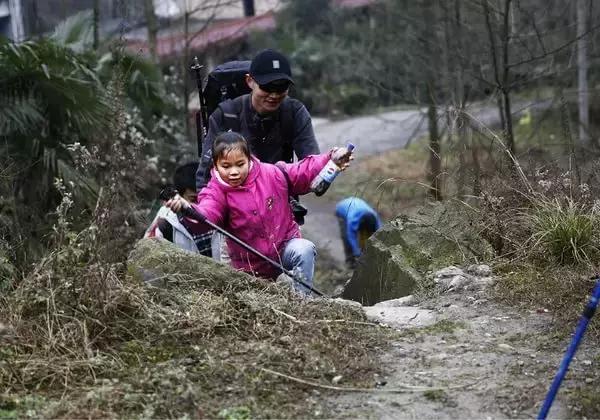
(90, 341)
(392, 182)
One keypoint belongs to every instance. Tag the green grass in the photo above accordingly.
(438, 395)
(564, 230)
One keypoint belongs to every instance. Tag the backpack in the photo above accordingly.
(226, 83)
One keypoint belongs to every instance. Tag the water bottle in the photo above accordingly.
(322, 181)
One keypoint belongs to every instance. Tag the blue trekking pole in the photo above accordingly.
(588, 313)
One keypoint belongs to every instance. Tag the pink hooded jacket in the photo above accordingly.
(258, 211)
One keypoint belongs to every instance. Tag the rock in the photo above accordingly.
(450, 271)
(454, 283)
(159, 263)
(455, 279)
(336, 379)
(398, 256)
(400, 317)
(409, 300)
(347, 302)
(479, 270)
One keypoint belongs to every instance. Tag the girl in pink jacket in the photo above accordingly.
(249, 199)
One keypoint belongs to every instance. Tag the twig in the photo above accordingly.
(324, 321)
(288, 316)
(347, 321)
(403, 387)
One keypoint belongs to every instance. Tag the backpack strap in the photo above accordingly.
(286, 127)
(231, 110)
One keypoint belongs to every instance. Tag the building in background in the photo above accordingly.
(11, 20)
(213, 25)
(209, 28)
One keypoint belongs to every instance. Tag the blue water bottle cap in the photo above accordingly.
(350, 146)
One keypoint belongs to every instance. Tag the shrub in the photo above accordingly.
(564, 229)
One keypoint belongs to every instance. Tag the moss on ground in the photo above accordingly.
(561, 291)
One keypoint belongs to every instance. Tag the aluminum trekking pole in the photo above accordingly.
(588, 313)
(189, 211)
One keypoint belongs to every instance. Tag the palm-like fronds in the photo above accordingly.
(47, 79)
(19, 114)
(76, 32)
(143, 79)
(49, 96)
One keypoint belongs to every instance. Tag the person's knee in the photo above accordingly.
(306, 249)
(302, 247)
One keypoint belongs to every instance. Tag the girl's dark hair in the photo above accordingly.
(228, 141)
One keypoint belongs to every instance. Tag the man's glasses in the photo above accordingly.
(275, 87)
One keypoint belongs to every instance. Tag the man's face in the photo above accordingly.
(267, 98)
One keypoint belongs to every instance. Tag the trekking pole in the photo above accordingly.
(588, 313)
(200, 117)
(190, 211)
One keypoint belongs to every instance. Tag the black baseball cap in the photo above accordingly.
(270, 65)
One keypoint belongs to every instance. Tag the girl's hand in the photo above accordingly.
(342, 157)
(177, 203)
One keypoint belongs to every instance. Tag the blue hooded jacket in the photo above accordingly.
(352, 210)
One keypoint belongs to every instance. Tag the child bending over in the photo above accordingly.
(249, 199)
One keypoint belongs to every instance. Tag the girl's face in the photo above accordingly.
(233, 167)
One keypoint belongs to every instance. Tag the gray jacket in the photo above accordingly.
(272, 138)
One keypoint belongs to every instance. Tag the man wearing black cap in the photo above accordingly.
(275, 125)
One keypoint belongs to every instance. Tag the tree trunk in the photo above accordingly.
(509, 135)
(435, 162)
(460, 100)
(96, 23)
(502, 81)
(152, 24)
(508, 126)
(248, 7)
(430, 58)
(582, 69)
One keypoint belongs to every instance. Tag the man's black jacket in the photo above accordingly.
(272, 138)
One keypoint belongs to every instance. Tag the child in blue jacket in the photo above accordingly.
(358, 221)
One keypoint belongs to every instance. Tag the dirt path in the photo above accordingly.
(486, 361)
